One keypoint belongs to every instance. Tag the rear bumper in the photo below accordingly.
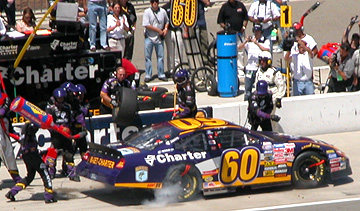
(91, 172)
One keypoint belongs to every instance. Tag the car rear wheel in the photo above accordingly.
(186, 179)
(308, 170)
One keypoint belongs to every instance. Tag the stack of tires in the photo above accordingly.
(150, 98)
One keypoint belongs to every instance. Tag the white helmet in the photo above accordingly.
(265, 54)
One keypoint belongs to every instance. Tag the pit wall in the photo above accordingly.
(305, 115)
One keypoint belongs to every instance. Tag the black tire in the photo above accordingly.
(155, 94)
(179, 67)
(305, 177)
(145, 103)
(211, 85)
(167, 100)
(199, 76)
(125, 113)
(189, 184)
(212, 52)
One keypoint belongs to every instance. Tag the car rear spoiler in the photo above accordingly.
(103, 150)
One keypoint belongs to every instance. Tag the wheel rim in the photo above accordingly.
(188, 185)
(200, 79)
(306, 173)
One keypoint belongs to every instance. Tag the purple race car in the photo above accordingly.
(212, 156)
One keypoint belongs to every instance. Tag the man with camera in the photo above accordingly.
(342, 69)
(156, 23)
(265, 13)
(302, 67)
(254, 46)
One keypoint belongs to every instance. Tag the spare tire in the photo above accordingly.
(125, 113)
(155, 93)
(211, 85)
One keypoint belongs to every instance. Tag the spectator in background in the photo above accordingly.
(2, 27)
(233, 15)
(254, 46)
(9, 7)
(200, 30)
(97, 9)
(156, 23)
(342, 69)
(356, 81)
(299, 32)
(354, 43)
(27, 23)
(129, 10)
(265, 13)
(174, 43)
(117, 27)
(302, 66)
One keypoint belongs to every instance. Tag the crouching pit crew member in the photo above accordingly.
(260, 108)
(185, 95)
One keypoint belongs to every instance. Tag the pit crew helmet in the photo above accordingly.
(181, 76)
(69, 87)
(59, 92)
(262, 87)
(265, 55)
(80, 88)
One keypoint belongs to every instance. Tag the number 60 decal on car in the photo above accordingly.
(183, 11)
(243, 165)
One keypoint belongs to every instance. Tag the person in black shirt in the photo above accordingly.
(233, 14)
(129, 10)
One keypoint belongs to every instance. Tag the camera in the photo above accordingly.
(289, 40)
(250, 38)
(335, 61)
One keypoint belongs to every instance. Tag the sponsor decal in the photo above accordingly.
(335, 169)
(269, 163)
(141, 173)
(270, 168)
(208, 179)
(311, 145)
(335, 160)
(168, 158)
(330, 151)
(269, 158)
(267, 146)
(333, 165)
(282, 166)
(213, 172)
(268, 173)
(279, 171)
(211, 185)
(268, 152)
(8, 50)
(280, 175)
(280, 160)
(332, 155)
(66, 46)
(165, 150)
(101, 162)
(28, 75)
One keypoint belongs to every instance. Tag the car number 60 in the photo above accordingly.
(243, 165)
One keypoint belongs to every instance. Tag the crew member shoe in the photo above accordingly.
(147, 80)
(106, 48)
(93, 48)
(48, 201)
(163, 79)
(75, 178)
(10, 196)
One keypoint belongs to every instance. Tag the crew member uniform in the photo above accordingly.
(186, 100)
(274, 80)
(110, 87)
(259, 111)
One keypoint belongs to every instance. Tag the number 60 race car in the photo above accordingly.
(212, 156)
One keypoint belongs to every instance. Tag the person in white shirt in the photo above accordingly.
(264, 12)
(2, 27)
(117, 27)
(254, 45)
(301, 56)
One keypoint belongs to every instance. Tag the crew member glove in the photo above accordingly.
(278, 102)
(275, 118)
(114, 103)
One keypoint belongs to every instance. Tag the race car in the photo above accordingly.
(213, 156)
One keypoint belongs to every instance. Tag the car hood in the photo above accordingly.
(284, 138)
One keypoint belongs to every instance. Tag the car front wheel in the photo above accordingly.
(308, 170)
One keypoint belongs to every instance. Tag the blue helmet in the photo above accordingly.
(59, 92)
(69, 87)
(80, 88)
(181, 76)
(262, 87)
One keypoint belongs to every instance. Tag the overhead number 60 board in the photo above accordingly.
(183, 12)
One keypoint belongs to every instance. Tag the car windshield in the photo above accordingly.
(148, 138)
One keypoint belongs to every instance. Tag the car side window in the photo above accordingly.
(194, 143)
(232, 138)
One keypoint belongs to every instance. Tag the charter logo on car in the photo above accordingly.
(168, 158)
(66, 46)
